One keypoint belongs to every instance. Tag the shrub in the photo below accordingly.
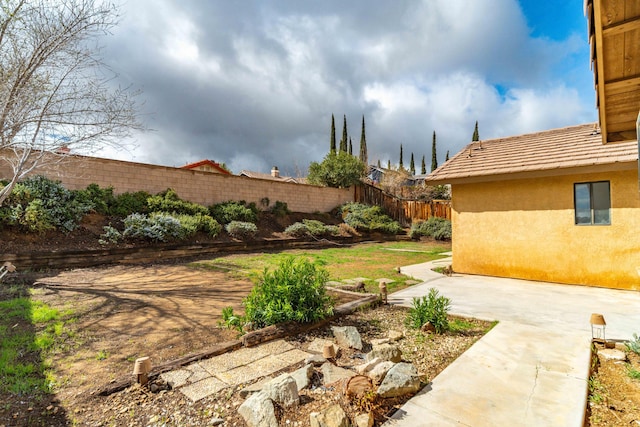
(297, 229)
(438, 228)
(110, 235)
(369, 218)
(315, 228)
(240, 229)
(168, 201)
(127, 203)
(39, 203)
(280, 209)
(157, 227)
(194, 223)
(230, 211)
(102, 199)
(432, 308)
(294, 291)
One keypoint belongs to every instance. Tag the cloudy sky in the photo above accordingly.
(254, 83)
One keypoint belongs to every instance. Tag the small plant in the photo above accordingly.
(297, 229)
(432, 308)
(158, 226)
(102, 355)
(231, 320)
(632, 372)
(110, 235)
(294, 291)
(634, 344)
(241, 230)
(597, 391)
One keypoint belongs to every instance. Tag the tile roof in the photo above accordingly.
(545, 152)
(260, 175)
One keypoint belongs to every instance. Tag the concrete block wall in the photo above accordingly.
(206, 188)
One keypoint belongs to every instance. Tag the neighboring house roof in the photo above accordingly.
(614, 32)
(206, 166)
(548, 153)
(272, 177)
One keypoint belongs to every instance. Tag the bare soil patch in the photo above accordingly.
(614, 398)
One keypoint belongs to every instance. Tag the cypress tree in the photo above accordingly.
(412, 166)
(434, 157)
(379, 163)
(363, 146)
(424, 167)
(350, 147)
(343, 141)
(401, 166)
(476, 135)
(446, 158)
(332, 147)
(389, 164)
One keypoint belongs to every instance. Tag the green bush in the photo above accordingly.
(369, 218)
(102, 199)
(280, 209)
(158, 226)
(340, 170)
(432, 308)
(39, 203)
(226, 212)
(168, 201)
(294, 291)
(110, 235)
(241, 229)
(128, 203)
(297, 229)
(438, 228)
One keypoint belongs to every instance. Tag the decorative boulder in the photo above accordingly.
(347, 336)
(385, 352)
(333, 416)
(400, 380)
(283, 390)
(258, 411)
(379, 371)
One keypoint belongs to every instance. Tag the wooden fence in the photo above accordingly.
(403, 211)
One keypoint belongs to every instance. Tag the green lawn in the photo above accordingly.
(368, 260)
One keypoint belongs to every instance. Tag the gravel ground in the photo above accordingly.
(137, 406)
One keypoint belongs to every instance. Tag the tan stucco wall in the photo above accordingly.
(525, 229)
(76, 172)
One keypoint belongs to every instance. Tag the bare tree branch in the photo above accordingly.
(54, 91)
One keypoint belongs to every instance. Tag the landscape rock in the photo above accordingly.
(333, 416)
(347, 336)
(379, 371)
(303, 376)
(364, 420)
(258, 411)
(366, 367)
(401, 379)
(216, 421)
(283, 390)
(358, 386)
(428, 328)
(612, 354)
(385, 352)
(332, 373)
(380, 341)
(315, 360)
(395, 335)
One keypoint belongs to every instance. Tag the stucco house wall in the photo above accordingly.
(525, 228)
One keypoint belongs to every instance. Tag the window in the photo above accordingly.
(592, 202)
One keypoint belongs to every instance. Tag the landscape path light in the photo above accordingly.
(598, 326)
(142, 369)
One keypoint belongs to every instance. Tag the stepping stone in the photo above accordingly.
(188, 375)
(387, 281)
(412, 282)
(612, 354)
(244, 356)
(333, 283)
(204, 388)
(318, 344)
(262, 367)
(361, 279)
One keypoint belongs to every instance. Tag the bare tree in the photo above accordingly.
(56, 94)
